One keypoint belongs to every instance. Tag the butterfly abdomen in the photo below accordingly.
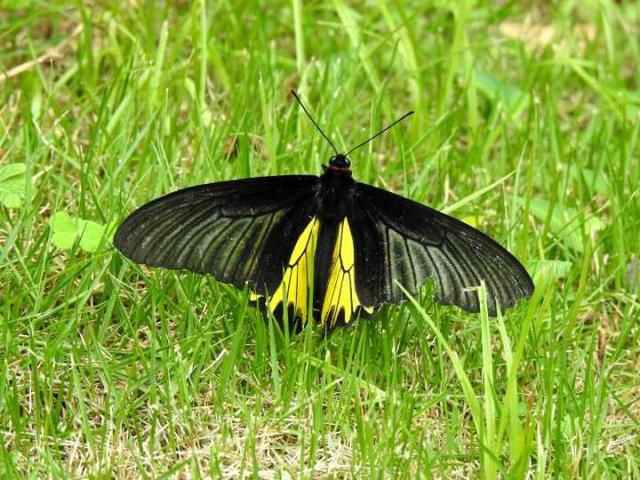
(322, 264)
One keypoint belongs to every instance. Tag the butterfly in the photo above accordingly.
(324, 248)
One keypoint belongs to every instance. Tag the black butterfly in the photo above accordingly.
(332, 247)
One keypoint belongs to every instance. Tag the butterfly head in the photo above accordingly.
(339, 163)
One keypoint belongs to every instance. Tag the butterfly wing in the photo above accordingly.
(403, 242)
(241, 232)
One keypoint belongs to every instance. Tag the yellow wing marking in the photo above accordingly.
(341, 288)
(298, 275)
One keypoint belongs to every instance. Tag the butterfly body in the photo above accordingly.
(336, 194)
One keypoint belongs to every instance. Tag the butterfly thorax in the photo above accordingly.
(337, 189)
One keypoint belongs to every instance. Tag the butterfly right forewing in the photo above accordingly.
(404, 243)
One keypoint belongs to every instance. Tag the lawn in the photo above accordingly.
(527, 125)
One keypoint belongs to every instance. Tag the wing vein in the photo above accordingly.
(235, 247)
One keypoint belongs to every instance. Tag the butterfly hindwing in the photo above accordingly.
(241, 232)
(401, 242)
(295, 287)
(340, 303)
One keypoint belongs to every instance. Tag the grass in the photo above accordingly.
(527, 124)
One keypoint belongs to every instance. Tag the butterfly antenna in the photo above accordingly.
(314, 122)
(380, 132)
